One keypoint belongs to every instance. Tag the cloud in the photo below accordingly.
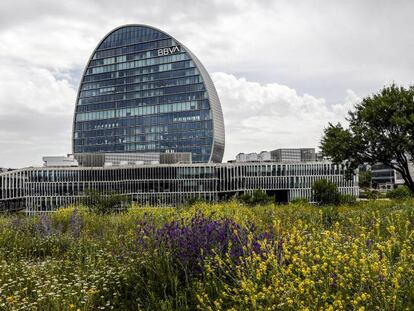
(285, 50)
(270, 116)
(35, 115)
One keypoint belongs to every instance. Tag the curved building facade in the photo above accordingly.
(144, 91)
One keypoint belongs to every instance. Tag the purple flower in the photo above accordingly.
(44, 226)
(190, 243)
(75, 224)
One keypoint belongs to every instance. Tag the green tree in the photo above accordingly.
(105, 204)
(325, 192)
(365, 179)
(381, 129)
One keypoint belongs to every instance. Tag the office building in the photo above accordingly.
(144, 91)
(385, 178)
(293, 155)
(44, 189)
(148, 125)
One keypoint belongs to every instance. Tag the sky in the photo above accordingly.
(283, 69)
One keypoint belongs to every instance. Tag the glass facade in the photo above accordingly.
(143, 91)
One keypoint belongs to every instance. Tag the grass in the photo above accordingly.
(211, 257)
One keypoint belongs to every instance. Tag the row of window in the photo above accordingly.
(125, 57)
(150, 129)
(139, 111)
(164, 136)
(201, 96)
(142, 78)
(133, 48)
(167, 130)
(138, 63)
(140, 86)
(201, 137)
(143, 122)
(138, 71)
(143, 94)
(130, 35)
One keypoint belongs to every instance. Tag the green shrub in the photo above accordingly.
(105, 204)
(258, 197)
(325, 193)
(330, 215)
(399, 193)
(347, 199)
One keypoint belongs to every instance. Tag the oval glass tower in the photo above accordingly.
(143, 91)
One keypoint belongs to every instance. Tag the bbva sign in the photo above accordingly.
(168, 51)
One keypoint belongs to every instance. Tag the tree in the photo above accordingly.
(325, 192)
(365, 179)
(381, 129)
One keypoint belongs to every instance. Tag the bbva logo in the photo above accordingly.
(168, 51)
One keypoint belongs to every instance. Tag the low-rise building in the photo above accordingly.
(385, 178)
(293, 155)
(44, 189)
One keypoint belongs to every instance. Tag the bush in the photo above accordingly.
(399, 193)
(195, 200)
(347, 199)
(330, 215)
(258, 197)
(105, 204)
(325, 193)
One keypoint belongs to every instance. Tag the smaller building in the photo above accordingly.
(60, 161)
(281, 155)
(247, 157)
(293, 155)
(385, 178)
(265, 156)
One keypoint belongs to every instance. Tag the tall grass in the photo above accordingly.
(211, 257)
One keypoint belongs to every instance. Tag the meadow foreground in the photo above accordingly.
(211, 257)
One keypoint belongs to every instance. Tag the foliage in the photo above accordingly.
(224, 256)
(365, 179)
(381, 130)
(347, 199)
(299, 201)
(325, 192)
(195, 200)
(399, 193)
(105, 204)
(256, 198)
(371, 194)
(330, 215)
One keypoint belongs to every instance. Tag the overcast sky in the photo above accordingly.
(282, 69)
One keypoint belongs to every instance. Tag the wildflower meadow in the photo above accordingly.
(226, 256)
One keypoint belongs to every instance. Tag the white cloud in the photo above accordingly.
(269, 116)
(30, 88)
(329, 50)
(36, 110)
